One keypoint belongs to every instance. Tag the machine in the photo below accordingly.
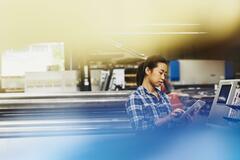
(23, 115)
(225, 110)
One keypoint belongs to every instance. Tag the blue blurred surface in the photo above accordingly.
(188, 144)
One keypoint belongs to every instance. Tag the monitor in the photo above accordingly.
(225, 97)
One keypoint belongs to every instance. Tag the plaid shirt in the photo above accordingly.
(143, 108)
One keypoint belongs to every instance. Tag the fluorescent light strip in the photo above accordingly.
(168, 24)
(159, 33)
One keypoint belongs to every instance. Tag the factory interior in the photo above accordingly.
(67, 69)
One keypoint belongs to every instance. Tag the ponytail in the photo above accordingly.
(140, 74)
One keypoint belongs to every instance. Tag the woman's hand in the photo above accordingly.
(176, 113)
(173, 116)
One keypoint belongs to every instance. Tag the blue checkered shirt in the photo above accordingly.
(143, 108)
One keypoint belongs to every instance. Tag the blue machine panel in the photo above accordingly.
(229, 70)
(174, 70)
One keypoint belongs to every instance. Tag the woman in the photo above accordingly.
(148, 107)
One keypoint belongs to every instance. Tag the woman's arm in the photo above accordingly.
(135, 113)
(165, 120)
(134, 108)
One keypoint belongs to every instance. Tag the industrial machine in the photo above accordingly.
(60, 114)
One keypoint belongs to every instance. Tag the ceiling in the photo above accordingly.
(124, 28)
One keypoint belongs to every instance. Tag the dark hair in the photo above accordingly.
(151, 62)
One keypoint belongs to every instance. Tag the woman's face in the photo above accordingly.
(157, 75)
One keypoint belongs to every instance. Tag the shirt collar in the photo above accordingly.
(144, 91)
